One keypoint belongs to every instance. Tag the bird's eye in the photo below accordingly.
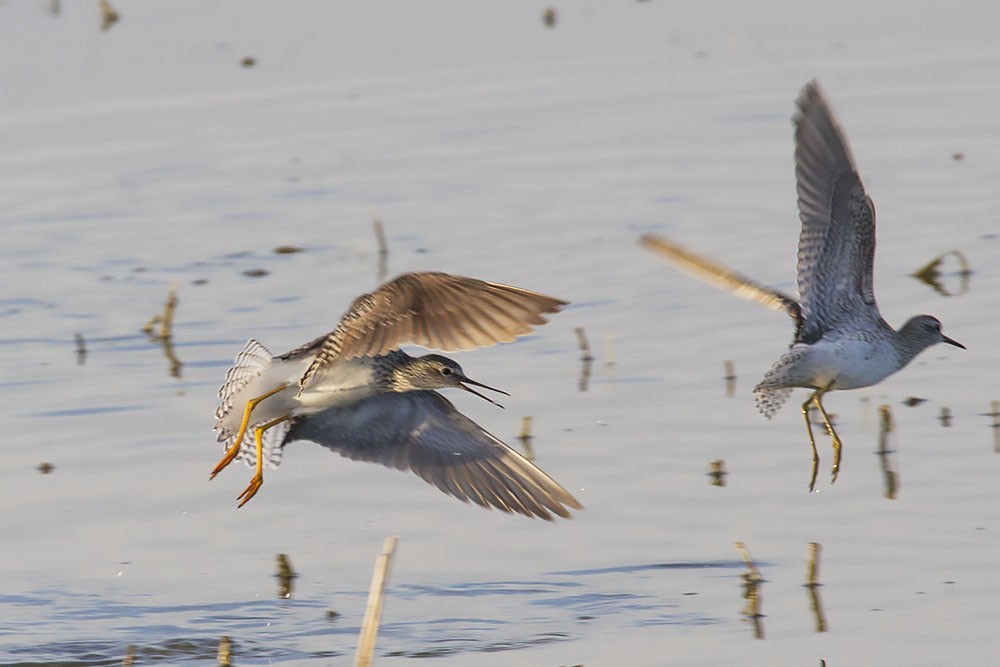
(445, 371)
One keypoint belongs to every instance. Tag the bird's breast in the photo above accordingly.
(340, 383)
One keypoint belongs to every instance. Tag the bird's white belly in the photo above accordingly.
(845, 363)
(342, 383)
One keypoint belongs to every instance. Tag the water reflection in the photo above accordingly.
(525, 438)
(995, 414)
(585, 357)
(163, 335)
(889, 475)
(730, 378)
(383, 251)
(717, 472)
(81, 348)
(752, 581)
(285, 576)
(812, 586)
(930, 274)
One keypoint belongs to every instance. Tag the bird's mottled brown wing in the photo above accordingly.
(422, 431)
(433, 310)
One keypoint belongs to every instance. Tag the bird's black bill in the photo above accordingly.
(466, 381)
(952, 342)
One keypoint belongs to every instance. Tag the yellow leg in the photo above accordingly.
(812, 441)
(258, 479)
(833, 435)
(234, 449)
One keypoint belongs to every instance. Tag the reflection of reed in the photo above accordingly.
(610, 360)
(812, 585)
(717, 472)
(995, 413)
(752, 580)
(224, 656)
(373, 609)
(81, 348)
(165, 335)
(945, 417)
(930, 274)
(585, 356)
(525, 438)
(890, 476)
(285, 576)
(383, 251)
(730, 378)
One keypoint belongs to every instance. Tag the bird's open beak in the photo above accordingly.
(463, 381)
(951, 341)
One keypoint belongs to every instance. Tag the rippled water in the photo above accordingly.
(146, 158)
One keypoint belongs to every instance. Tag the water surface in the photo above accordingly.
(146, 157)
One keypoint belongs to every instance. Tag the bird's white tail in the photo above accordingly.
(250, 363)
(769, 401)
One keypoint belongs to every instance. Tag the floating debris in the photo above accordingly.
(332, 615)
(248, 61)
(288, 250)
(958, 156)
(373, 609)
(109, 16)
(45, 467)
(256, 273)
(913, 401)
(549, 17)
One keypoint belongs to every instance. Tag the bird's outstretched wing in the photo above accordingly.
(422, 431)
(434, 310)
(719, 276)
(837, 243)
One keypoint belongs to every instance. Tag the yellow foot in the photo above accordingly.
(836, 459)
(247, 409)
(226, 460)
(812, 479)
(251, 490)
